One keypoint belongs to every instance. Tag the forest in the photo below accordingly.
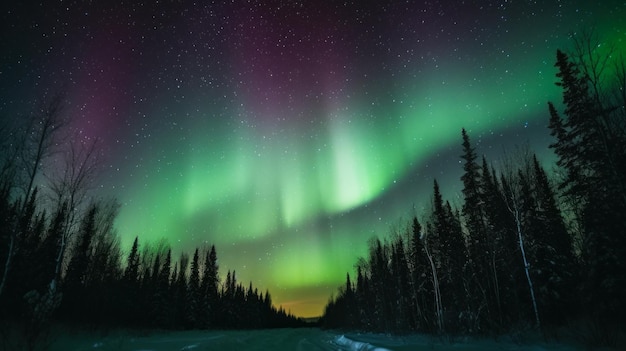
(66, 266)
(527, 249)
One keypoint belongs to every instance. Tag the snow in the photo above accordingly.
(306, 339)
(356, 345)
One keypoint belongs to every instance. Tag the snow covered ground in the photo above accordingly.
(282, 339)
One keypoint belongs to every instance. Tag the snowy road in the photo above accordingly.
(280, 339)
(283, 339)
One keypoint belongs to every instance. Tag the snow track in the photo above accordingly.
(356, 345)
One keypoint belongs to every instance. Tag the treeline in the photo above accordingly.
(522, 250)
(435, 277)
(97, 287)
(188, 294)
(60, 257)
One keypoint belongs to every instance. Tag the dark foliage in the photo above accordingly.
(509, 258)
(94, 291)
(591, 149)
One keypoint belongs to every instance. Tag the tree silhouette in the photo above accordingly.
(590, 144)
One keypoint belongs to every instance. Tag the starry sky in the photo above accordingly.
(288, 133)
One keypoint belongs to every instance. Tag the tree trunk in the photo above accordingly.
(7, 264)
(437, 292)
(526, 264)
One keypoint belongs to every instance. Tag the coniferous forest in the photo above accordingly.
(66, 265)
(527, 248)
(86, 282)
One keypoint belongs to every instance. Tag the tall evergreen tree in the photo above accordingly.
(481, 254)
(76, 277)
(22, 274)
(591, 153)
(193, 293)
(452, 254)
(180, 293)
(130, 283)
(400, 268)
(421, 279)
(209, 288)
(555, 265)
(50, 251)
(162, 294)
(505, 247)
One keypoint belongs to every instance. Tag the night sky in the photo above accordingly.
(288, 133)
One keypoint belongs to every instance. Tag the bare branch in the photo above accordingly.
(41, 139)
(592, 61)
(74, 180)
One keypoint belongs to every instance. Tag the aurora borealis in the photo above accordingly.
(288, 133)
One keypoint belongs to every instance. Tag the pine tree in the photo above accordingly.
(382, 283)
(452, 254)
(105, 292)
(130, 284)
(523, 207)
(485, 287)
(131, 274)
(151, 292)
(76, 278)
(555, 264)
(349, 303)
(472, 208)
(22, 269)
(180, 293)
(591, 152)
(209, 288)
(193, 293)
(505, 247)
(50, 251)
(162, 294)
(402, 277)
(431, 248)
(421, 279)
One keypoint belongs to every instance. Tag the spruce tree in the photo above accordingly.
(421, 279)
(505, 247)
(163, 294)
(193, 293)
(401, 273)
(50, 252)
(556, 265)
(180, 293)
(484, 287)
(22, 267)
(130, 284)
(131, 274)
(591, 153)
(209, 288)
(452, 254)
(75, 281)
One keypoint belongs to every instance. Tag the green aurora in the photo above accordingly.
(289, 140)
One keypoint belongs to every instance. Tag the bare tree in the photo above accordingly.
(31, 149)
(619, 92)
(42, 140)
(436, 290)
(106, 251)
(514, 168)
(593, 58)
(71, 183)
(512, 203)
